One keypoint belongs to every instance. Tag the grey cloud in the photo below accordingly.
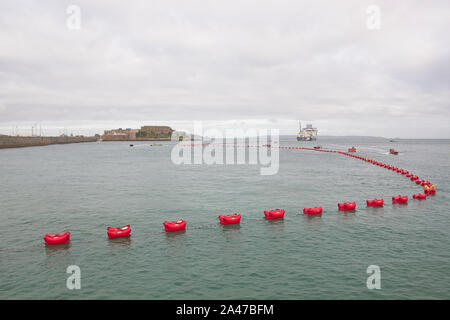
(227, 60)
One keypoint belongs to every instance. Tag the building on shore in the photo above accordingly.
(144, 133)
(119, 134)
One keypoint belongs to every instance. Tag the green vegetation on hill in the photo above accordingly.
(151, 134)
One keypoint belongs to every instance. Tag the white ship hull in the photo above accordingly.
(299, 138)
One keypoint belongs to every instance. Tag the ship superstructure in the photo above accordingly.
(307, 134)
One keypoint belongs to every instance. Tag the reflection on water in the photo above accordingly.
(58, 249)
(420, 203)
(312, 217)
(347, 216)
(400, 205)
(231, 231)
(230, 227)
(58, 256)
(313, 221)
(277, 224)
(123, 242)
(176, 238)
(376, 211)
(176, 244)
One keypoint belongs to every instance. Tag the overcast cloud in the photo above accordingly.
(228, 63)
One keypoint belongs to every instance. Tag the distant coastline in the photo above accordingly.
(34, 141)
(145, 133)
(368, 137)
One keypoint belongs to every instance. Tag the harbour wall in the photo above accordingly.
(18, 142)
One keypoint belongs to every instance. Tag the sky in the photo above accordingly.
(340, 65)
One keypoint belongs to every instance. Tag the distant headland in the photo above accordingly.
(34, 141)
(145, 133)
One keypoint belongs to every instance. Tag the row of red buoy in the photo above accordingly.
(429, 188)
(180, 225)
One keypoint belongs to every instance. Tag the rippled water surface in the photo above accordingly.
(83, 188)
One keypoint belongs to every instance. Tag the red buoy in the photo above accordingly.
(274, 214)
(230, 219)
(400, 199)
(52, 239)
(375, 203)
(420, 196)
(118, 232)
(171, 226)
(347, 206)
(314, 210)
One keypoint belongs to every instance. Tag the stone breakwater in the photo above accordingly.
(18, 142)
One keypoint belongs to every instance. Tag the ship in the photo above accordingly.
(392, 151)
(307, 134)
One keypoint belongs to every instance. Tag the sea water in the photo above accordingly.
(83, 188)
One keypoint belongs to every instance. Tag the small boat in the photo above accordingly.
(317, 147)
(392, 151)
(352, 149)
